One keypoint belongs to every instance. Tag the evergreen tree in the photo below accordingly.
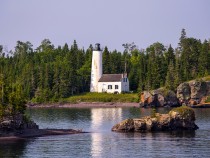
(115, 62)
(169, 55)
(155, 67)
(181, 39)
(106, 61)
(170, 77)
(203, 62)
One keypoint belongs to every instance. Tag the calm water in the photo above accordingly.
(101, 142)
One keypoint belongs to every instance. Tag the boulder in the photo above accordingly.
(183, 91)
(126, 125)
(193, 92)
(198, 89)
(159, 98)
(146, 98)
(181, 118)
(13, 124)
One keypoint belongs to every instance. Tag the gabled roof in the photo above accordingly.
(110, 78)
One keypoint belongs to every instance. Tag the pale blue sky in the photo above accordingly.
(109, 22)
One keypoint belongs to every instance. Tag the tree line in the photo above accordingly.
(49, 73)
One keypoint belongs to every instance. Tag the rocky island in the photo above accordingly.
(181, 118)
(18, 126)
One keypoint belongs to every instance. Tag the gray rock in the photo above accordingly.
(198, 89)
(183, 91)
(159, 98)
(193, 92)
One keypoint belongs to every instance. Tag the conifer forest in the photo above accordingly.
(48, 73)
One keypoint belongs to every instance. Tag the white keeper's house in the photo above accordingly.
(110, 83)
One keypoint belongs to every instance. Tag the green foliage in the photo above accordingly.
(184, 111)
(103, 97)
(13, 102)
(207, 78)
(170, 77)
(26, 118)
(153, 112)
(17, 101)
(1, 111)
(207, 100)
(106, 61)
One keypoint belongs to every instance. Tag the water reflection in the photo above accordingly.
(99, 118)
(13, 148)
(61, 118)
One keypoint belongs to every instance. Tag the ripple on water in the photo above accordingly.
(101, 142)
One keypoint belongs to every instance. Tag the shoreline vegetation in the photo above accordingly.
(101, 100)
(103, 97)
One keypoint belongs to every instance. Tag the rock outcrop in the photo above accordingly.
(181, 118)
(193, 92)
(159, 98)
(14, 124)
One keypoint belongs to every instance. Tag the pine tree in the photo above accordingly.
(115, 62)
(203, 60)
(170, 77)
(181, 39)
(177, 75)
(106, 61)
(169, 55)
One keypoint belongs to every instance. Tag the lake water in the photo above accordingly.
(101, 142)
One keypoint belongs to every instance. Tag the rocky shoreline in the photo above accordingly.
(193, 93)
(204, 105)
(105, 105)
(84, 105)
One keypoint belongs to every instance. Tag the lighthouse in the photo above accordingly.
(96, 68)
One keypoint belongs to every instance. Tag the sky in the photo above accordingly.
(108, 22)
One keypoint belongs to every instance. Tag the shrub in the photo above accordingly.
(26, 118)
(1, 111)
(207, 100)
(184, 111)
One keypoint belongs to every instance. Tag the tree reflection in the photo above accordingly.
(13, 148)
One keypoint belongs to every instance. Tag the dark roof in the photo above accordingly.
(110, 78)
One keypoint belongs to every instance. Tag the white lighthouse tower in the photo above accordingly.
(96, 69)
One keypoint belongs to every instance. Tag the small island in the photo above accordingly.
(15, 124)
(19, 127)
(181, 118)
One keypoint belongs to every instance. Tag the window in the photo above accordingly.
(109, 86)
(116, 86)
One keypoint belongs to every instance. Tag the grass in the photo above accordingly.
(207, 78)
(103, 97)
